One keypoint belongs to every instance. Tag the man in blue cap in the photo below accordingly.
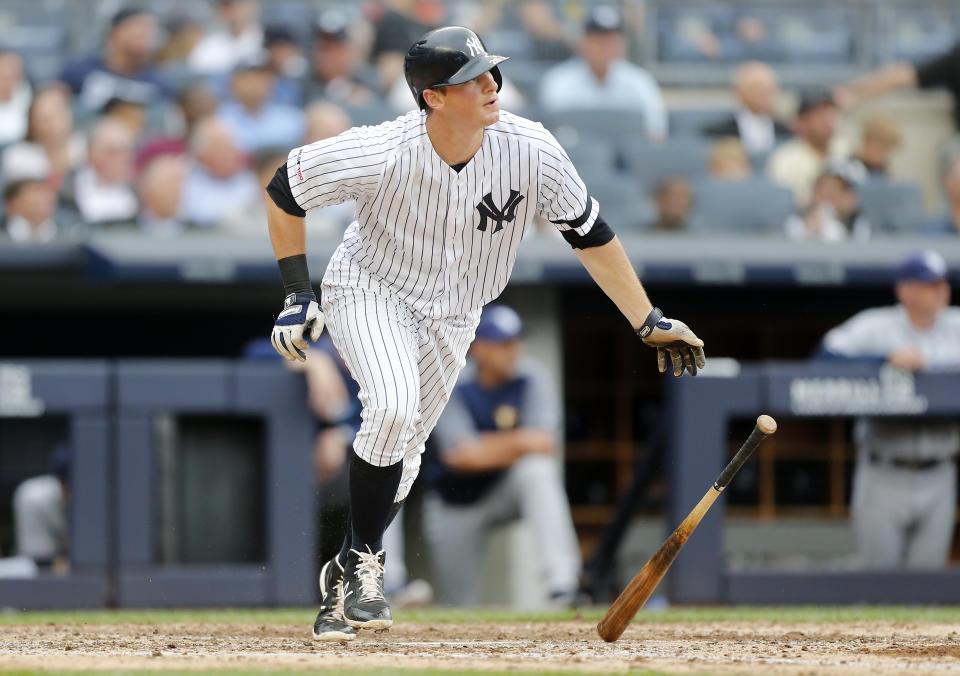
(904, 497)
(497, 440)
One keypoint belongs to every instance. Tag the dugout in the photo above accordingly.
(205, 295)
(215, 502)
(44, 403)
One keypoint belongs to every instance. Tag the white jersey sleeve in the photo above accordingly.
(866, 334)
(338, 169)
(563, 198)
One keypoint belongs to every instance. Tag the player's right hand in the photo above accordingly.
(673, 338)
(301, 317)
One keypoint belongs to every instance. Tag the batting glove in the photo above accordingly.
(301, 316)
(674, 338)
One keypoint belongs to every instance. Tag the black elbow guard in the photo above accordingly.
(281, 194)
(599, 235)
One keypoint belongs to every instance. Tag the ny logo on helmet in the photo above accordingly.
(476, 49)
(489, 210)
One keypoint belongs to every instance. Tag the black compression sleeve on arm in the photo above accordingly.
(939, 71)
(282, 196)
(599, 235)
(295, 275)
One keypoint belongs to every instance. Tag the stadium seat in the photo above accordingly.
(651, 162)
(589, 154)
(892, 206)
(372, 114)
(745, 207)
(689, 121)
(918, 33)
(622, 203)
(609, 124)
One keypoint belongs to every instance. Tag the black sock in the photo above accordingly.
(372, 490)
(348, 539)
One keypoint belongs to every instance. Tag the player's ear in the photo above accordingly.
(433, 98)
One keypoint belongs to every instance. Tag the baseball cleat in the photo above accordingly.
(330, 625)
(364, 604)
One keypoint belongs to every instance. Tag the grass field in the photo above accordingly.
(714, 640)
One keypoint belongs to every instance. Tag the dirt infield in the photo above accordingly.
(723, 648)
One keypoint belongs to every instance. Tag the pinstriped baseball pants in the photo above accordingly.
(406, 365)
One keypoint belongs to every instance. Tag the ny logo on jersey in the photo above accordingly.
(490, 210)
(476, 49)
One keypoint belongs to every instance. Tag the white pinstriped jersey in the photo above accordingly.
(443, 241)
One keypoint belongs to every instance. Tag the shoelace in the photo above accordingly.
(336, 615)
(369, 572)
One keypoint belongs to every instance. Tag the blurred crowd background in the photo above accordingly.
(168, 116)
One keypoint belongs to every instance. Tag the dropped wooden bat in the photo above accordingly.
(632, 598)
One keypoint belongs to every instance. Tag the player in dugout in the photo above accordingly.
(497, 443)
(904, 499)
(444, 194)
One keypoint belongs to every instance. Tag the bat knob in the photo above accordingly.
(766, 424)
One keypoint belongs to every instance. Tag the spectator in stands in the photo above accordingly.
(797, 163)
(674, 201)
(131, 114)
(834, 213)
(15, 98)
(600, 77)
(754, 122)
(942, 71)
(497, 443)
(729, 160)
(325, 119)
(399, 25)
(879, 139)
(904, 500)
(160, 189)
(125, 69)
(184, 29)
(103, 189)
(239, 37)
(253, 118)
(40, 507)
(196, 102)
(337, 72)
(547, 35)
(30, 206)
(219, 184)
(52, 148)
(287, 62)
(948, 223)
(253, 219)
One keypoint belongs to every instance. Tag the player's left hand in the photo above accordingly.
(301, 316)
(674, 338)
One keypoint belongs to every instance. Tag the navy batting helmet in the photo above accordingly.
(448, 56)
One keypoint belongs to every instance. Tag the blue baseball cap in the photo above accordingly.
(499, 323)
(922, 266)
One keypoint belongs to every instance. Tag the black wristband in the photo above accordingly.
(295, 275)
(650, 322)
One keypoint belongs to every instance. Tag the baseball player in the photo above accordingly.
(496, 443)
(904, 498)
(444, 196)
